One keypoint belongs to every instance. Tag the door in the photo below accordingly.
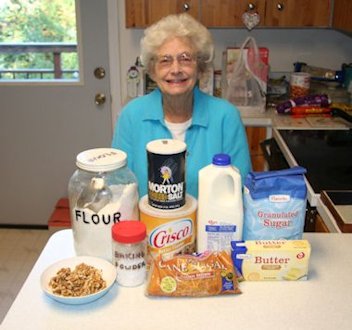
(142, 13)
(342, 18)
(298, 13)
(44, 126)
(158, 9)
(228, 13)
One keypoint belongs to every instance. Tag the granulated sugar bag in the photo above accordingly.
(274, 204)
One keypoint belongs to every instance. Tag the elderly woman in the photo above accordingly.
(175, 52)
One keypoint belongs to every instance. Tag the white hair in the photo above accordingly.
(178, 26)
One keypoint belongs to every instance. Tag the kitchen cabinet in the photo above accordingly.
(320, 226)
(135, 13)
(273, 13)
(297, 13)
(228, 13)
(255, 135)
(142, 13)
(342, 17)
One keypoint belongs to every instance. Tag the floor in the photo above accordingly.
(19, 250)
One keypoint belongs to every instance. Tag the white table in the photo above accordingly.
(322, 302)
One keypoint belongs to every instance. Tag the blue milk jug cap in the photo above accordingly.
(222, 159)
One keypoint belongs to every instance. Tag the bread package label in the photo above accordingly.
(271, 260)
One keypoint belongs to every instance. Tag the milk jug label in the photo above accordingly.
(219, 236)
(220, 229)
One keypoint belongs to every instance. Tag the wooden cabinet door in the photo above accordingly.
(297, 13)
(135, 13)
(228, 13)
(142, 13)
(159, 8)
(255, 135)
(320, 226)
(342, 18)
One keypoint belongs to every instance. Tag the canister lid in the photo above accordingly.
(222, 159)
(129, 231)
(101, 159)
(166, 146)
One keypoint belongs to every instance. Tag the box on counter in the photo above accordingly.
(271, 260)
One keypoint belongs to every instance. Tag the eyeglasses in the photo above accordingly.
(184, 59)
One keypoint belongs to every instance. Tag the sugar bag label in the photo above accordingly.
(275, 204)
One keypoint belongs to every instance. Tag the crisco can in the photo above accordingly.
(169, 232)
(166, 173)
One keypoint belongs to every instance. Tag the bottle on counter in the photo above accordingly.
(129, 252)
(220, 207)
(102, 191)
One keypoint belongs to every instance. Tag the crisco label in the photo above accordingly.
(171, 233)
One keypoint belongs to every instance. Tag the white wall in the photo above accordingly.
(319, 47)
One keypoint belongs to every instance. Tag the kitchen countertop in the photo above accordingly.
(274, 122)
(260, 119)
(270, 119)
(322, 302)
(326, 155)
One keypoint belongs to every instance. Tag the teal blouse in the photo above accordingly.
(216, 128)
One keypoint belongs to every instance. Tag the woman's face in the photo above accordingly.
(175, 67)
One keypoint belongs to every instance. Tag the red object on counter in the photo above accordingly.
(309, 110)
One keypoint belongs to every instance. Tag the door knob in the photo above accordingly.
(99, 72)
(186, 6)
(100, 99)
(251, 6)
(280, 6)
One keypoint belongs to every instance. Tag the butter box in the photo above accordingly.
(271, 260)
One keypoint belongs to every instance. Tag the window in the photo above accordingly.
(38, 40)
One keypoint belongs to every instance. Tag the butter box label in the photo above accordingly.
(271, 260)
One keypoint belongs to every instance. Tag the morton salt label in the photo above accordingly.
(169, 232)
(166, 173)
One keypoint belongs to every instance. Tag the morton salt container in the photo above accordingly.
(166, 173)
(102, 191)
(220, 207)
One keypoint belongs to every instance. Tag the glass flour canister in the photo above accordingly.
(129, 252)
(102, 191)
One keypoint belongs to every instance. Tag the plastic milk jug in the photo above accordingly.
(220, 207)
